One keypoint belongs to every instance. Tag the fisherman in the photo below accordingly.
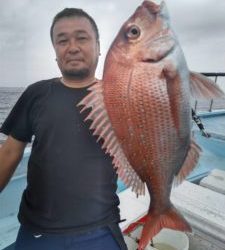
(70, 201)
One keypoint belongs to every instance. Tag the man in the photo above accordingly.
(70, 201)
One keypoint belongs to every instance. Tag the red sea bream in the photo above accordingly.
(142, 110)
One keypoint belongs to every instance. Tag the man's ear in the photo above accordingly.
(98, 46)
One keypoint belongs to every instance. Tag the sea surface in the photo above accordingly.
(8, 98)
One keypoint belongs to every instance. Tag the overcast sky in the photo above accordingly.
(26, 54)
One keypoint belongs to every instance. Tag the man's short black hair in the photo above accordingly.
(74, 12)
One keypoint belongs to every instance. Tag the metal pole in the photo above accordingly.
(211, 104)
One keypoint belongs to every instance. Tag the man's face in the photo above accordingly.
(76, 47)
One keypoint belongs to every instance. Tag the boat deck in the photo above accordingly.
(213, 148)
(202, 208)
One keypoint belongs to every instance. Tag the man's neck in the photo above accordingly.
(74, 83)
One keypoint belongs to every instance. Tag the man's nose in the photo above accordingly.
(73, 47)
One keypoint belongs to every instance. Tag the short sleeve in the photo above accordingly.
(18, 123)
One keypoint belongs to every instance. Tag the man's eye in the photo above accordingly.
(62, 41)
(82, 38)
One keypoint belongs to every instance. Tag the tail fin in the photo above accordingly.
(171, 218)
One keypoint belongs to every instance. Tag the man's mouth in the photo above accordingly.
(75, 60)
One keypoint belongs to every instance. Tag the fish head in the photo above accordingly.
(145, 37)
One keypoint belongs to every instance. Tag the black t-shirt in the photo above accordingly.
(71, 181)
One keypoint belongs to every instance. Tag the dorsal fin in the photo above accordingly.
(103, 129)
(204, 88)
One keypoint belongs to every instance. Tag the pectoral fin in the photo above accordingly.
(204, 88)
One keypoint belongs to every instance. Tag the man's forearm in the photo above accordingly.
(7, 167)
(11, 153)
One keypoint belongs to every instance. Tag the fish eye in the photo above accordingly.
(133, 32)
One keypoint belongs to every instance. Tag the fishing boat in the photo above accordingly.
(201, 198)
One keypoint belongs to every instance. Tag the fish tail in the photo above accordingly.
(171, 218)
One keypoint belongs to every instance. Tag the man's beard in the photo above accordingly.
(76, 74)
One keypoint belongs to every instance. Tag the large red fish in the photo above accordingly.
(141, 109)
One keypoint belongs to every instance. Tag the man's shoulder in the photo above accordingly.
(42, 84)
(40, 88)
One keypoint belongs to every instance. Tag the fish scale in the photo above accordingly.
(153, 114)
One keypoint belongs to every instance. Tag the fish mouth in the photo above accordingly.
(152, 6)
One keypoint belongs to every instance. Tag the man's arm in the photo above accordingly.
(11, 153)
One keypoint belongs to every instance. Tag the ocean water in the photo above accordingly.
(8, 97)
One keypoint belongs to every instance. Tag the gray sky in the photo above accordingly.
(26, 54)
